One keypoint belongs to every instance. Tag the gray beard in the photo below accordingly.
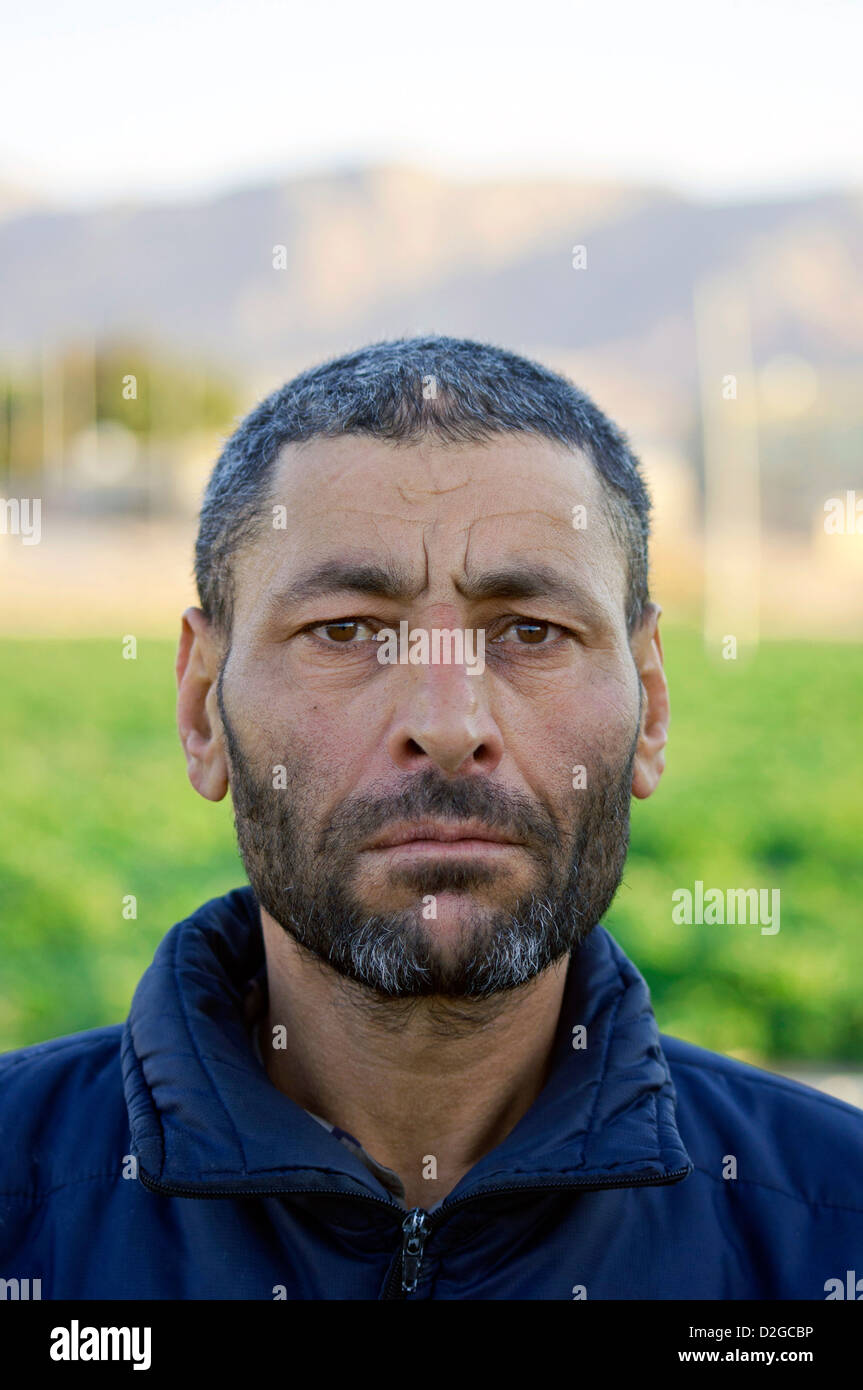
(306, 889)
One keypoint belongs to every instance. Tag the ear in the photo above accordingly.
(655, 712)
(198, 720)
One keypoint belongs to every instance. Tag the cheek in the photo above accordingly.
(325, 753)
(313, 739)
(586, 726)
(605, 716)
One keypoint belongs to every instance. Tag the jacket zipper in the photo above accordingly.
(416, 1228)
(419, 1224)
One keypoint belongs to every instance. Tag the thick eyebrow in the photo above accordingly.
(392, 582)
(535, 581)
(339, 576)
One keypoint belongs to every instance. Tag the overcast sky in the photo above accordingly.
(743, 98)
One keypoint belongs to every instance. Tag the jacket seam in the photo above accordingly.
(112, 1174)
(206, 1070)
(25, 1195)
(601, 1081)
(780, 1192)
(32, 1052)
(138, 1067)
(30, 1196)
(589, 1130)
(772, 1081)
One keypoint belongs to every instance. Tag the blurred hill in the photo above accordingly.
(385, 251)
(649, 301)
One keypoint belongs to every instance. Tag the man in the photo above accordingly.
(408, 1062)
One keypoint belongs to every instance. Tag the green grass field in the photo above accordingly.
(762, 789)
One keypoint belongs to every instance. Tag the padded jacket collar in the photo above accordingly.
(205, 1119)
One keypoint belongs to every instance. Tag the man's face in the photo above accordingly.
(330, 751)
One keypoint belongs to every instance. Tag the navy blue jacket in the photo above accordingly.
(156, 1160)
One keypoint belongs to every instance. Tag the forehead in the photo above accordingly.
(443, 508)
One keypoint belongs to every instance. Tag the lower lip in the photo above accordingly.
(449, 849)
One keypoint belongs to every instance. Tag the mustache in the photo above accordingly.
(430, 795)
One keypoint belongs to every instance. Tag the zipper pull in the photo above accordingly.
(415, 1231)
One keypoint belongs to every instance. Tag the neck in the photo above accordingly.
(429, 1085)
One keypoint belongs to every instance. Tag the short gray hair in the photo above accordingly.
(478, 391)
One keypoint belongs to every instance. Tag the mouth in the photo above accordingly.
(448, 840)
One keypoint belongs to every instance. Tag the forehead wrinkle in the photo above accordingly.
(394, 577)
(348, 573)
(595, 600)
(419, 492)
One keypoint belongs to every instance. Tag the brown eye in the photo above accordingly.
(343, 632)
(533, 632)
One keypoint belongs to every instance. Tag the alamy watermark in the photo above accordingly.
(438, 646)
(20, 1289)
(844, 515)
(77, 1343)
(21, 516)
(729, 906)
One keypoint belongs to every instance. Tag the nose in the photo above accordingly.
(443, 718)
